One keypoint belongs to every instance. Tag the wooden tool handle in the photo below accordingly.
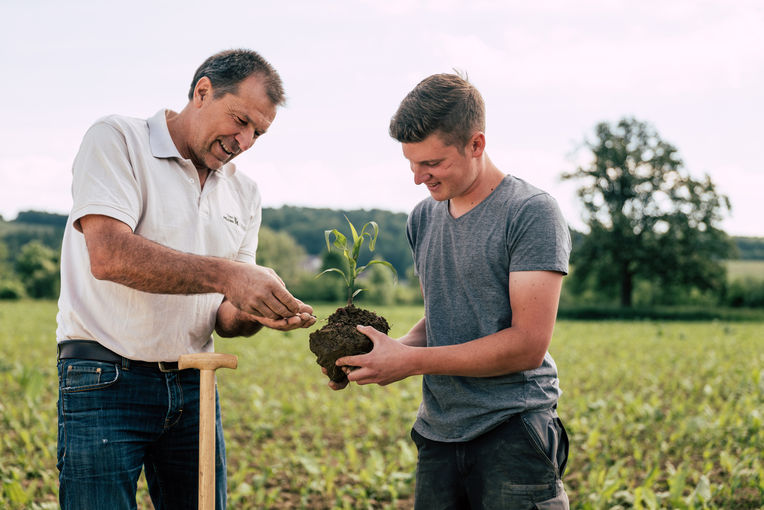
(207, 362)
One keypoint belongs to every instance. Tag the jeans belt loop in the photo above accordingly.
(164, 368)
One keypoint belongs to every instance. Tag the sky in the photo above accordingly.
(549, 72)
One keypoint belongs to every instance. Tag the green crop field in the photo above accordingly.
(660, 415)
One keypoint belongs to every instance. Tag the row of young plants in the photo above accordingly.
(660, 415)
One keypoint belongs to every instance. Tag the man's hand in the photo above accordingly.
(389, 361)
(258, 291)
(301, 320)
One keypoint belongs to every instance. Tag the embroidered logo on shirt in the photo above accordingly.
(231, 219)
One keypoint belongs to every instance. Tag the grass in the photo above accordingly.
(660, 415)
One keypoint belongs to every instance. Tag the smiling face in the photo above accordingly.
(446, 172)
(224, 127)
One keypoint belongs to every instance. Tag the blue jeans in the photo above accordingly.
(518, 466)
(115, 419)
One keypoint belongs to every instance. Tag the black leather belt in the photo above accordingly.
(91, 350)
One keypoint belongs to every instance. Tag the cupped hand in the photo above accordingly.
(300, 320)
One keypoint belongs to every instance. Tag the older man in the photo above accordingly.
(159, 251)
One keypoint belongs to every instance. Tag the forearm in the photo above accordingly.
(507, 351)
(134, 261)
(510, 350)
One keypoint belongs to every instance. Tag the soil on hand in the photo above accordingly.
(339, 337)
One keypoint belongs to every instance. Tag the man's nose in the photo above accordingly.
(420, 174)
(245, 138)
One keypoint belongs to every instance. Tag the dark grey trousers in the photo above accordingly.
(518, 465)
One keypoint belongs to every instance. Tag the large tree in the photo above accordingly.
(648, 218)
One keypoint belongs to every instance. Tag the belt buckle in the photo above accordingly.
(164, 368)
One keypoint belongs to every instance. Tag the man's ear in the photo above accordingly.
(202, 91)
(476, 144)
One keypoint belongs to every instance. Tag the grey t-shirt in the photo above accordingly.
(463, 265)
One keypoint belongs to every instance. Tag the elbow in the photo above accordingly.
(529, 362)
(103, 258)
(100, 267)
(232, 328)
(99, 271)
(109, 252)
(536, 361)
(534, 356)
(106, 264)
(234, 332)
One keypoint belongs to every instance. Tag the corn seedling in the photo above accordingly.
(350, 251)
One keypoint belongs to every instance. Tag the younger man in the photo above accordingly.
(490, 251)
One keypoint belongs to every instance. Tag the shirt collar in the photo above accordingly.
(160, 140)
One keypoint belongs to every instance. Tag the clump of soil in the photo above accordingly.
(339, 337)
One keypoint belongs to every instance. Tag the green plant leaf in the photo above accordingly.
(357, 242)
(335, 270)
(352, 230)
(340, 241)
(372, 238)
(386, 264)
(357, 248)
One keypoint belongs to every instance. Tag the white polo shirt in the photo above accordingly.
(129, 169)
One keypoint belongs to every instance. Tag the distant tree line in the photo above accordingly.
(292, 242)
(749, 248)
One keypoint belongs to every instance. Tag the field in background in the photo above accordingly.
(660, 415)
(745, 269)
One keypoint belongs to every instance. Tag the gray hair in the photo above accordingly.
(227, 69)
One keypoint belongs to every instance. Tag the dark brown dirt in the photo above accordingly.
(339, 337)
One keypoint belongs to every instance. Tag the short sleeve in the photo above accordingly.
(103, 178)
(538, 238)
